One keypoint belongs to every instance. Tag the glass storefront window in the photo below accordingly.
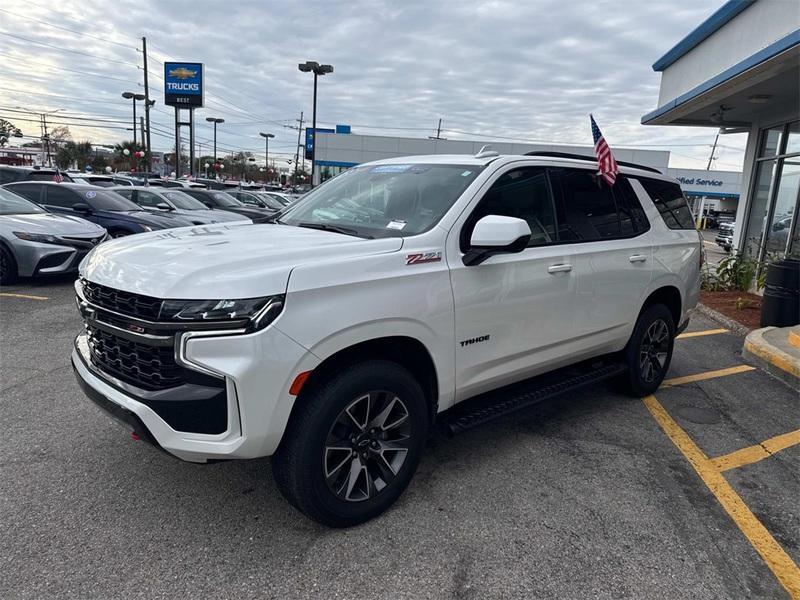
(793, 138)
(785, 204)
(770, 142)
(759, 208)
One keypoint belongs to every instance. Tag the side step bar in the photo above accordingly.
(499, 403)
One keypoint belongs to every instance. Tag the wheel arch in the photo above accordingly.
(668, 295)
(404, 350)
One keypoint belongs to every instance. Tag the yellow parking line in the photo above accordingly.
(752, 454)
(775, 557)
(26, 296)
(707, 375)
(691, 334)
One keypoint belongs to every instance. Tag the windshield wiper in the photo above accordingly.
(333, 228)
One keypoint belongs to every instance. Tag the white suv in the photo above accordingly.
(449, 289)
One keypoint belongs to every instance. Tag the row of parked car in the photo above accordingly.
(47, 227)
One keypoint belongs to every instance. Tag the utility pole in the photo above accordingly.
(713, 149)
(146, 104)
(297, 151)
(46, 139)
(439, 130)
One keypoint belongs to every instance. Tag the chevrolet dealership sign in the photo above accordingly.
(183, 84)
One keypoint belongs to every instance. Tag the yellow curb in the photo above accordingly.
(755, 344)
(794, 336)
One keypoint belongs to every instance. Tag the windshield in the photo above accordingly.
(271, 201)
(96, 181)
(101, 199)
(11, 204)
(384, 200)
(225, 199)
(183, 201)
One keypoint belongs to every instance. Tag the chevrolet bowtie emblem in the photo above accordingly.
(182, 73)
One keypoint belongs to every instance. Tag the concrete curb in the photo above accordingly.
(775, 361)
(733, 326)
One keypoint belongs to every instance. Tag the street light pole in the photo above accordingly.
(266, 137)
(317, 69)
(215, 120)
(133, 98)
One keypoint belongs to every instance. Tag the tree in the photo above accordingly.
(71, 153)
(59, 135)
(8, 130)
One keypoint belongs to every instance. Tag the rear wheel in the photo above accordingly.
(353, 444)
(8, 267)
(649, 351)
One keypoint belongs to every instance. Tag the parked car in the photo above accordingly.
(182, 183)
(10, 174)
(219, 200)
(160, 200)
(98, 180)
(106, 208)
(257, 199)
(35, 242)
(724, 237)
(401, 294)
(284, 199)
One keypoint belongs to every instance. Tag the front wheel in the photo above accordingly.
(649, 351)
(8, 267)
(353, 444)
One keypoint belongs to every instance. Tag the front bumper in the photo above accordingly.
(257, 370)
(34, 258)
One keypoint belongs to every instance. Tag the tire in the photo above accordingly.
(318, 467)
(649, 351)
(8, 267)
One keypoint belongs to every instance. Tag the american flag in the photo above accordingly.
(57, 176)
(605, 159)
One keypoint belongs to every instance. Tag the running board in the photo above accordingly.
(505, 401)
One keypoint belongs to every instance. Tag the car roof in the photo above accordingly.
(469, 160)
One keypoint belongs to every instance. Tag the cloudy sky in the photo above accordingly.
(530, 70)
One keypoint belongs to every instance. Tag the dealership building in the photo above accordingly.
(715, 191)
(739, 71)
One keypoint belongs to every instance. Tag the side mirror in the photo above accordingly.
(82, 207)
(164, 206)
(494, 234)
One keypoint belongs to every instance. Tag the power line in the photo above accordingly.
(60, 69)
(66, 29)
(30, 41)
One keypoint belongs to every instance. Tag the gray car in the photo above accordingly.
(176, 202)
(35, 242)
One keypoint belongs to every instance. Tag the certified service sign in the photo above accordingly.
(183, 84)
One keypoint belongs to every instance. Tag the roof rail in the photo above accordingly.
(589, 158)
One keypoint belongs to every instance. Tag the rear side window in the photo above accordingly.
(631, 214)
(586, 208)
(670, 202)
(32, 192)
(61, 197)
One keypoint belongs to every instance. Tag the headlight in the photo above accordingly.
(42, 238)
(260, 311)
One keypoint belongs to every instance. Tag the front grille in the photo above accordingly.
(145, 366)
(127, 303)
(82, 243)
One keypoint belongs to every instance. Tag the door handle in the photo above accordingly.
(565, 268)
(637, 258)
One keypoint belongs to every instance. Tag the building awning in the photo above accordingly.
(734, 97)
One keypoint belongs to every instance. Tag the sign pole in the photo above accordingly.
(191, 142)
(177, 142)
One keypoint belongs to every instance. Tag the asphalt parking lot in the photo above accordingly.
(692, 493)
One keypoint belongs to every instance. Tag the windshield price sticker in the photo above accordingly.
(396, 225)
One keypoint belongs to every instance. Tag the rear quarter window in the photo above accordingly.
(670, 202)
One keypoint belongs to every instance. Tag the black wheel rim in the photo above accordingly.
(654, 351)
(367, 446)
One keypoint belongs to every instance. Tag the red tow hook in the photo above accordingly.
(134, 436)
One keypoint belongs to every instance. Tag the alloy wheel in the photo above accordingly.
(367, 446)
(654, 350)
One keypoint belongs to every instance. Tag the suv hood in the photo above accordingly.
(221, 261)
(51, 224)
(147, 218)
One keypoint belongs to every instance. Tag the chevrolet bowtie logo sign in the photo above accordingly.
(182, 73)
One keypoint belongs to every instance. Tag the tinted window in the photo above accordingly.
(632, 219)
(586, 208)
(225, 199)
(148, 199)
(45, 176)
(61, 197)
(103, 200)
(30, 191)
(12, 204)
(670, 202)
(7, 176)
(523, 194)
(125, 193)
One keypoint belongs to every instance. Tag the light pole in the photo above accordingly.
(133, 98)
(318, 69)
(206, 166)
(215, 120)
(266, 137)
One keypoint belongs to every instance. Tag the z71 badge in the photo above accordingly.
(423, 257)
